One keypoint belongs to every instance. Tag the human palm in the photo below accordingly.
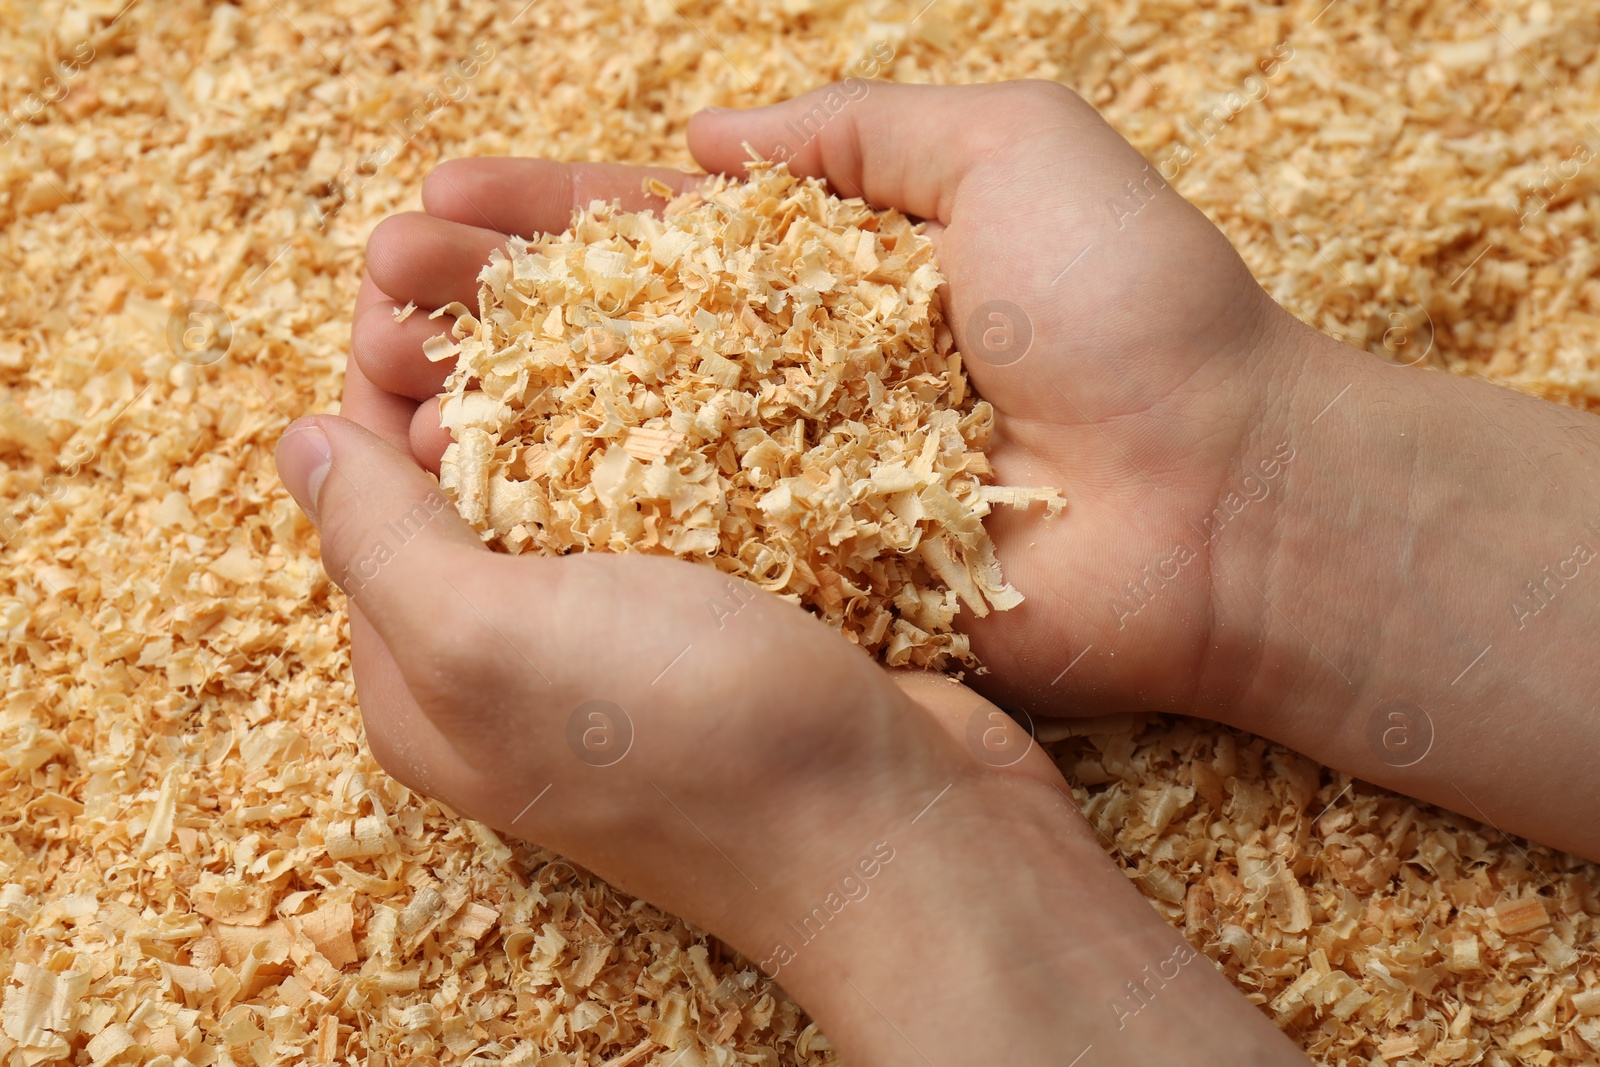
(1119, 337)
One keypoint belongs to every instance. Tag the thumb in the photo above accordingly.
(907, 147)
(390, 537)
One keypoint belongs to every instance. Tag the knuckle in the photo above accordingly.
(384, 236)
(366, 332)
(461, 648)
(1014, 111)
(443, 172)
(465, 646)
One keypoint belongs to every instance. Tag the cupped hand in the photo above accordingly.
(1121, 343)
(1124, 345)
(720, 763)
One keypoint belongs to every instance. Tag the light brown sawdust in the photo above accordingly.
(759, 378)
(180, 755)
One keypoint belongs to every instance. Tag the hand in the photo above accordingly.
(766, 771)
(1122, 342)
(1385, 568)
(1245, 539)
(598, 705)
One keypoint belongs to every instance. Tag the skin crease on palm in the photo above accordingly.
(1159, 374)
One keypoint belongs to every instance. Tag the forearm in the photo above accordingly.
(1422, 609)
(1001, 933)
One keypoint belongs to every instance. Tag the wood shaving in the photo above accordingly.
(759, 379)
(224, 152)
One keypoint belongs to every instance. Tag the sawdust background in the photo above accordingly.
(183, 783)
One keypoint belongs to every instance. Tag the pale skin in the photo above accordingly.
(1384, 555)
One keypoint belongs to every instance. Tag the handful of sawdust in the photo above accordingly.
(759, 379)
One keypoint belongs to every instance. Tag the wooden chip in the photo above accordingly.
(1520, 916)
(331, 929)
(41, 1006)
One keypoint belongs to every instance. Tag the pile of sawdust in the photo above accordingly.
(758, 379)
(196, 839)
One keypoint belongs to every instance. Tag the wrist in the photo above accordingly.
(1421, 568)
(950, 920)
(1001, 932)
(1262, 504)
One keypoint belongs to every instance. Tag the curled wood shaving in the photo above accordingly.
(759, 379)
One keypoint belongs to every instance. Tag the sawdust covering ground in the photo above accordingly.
(200, 859)
(760, 379)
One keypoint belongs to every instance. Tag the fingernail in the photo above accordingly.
(304, 457)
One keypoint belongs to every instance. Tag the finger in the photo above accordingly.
(390, 353)
(390, 538)
(534, 196)
(376, 410)
(429, 439)
(416, 258)
(902, 146)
